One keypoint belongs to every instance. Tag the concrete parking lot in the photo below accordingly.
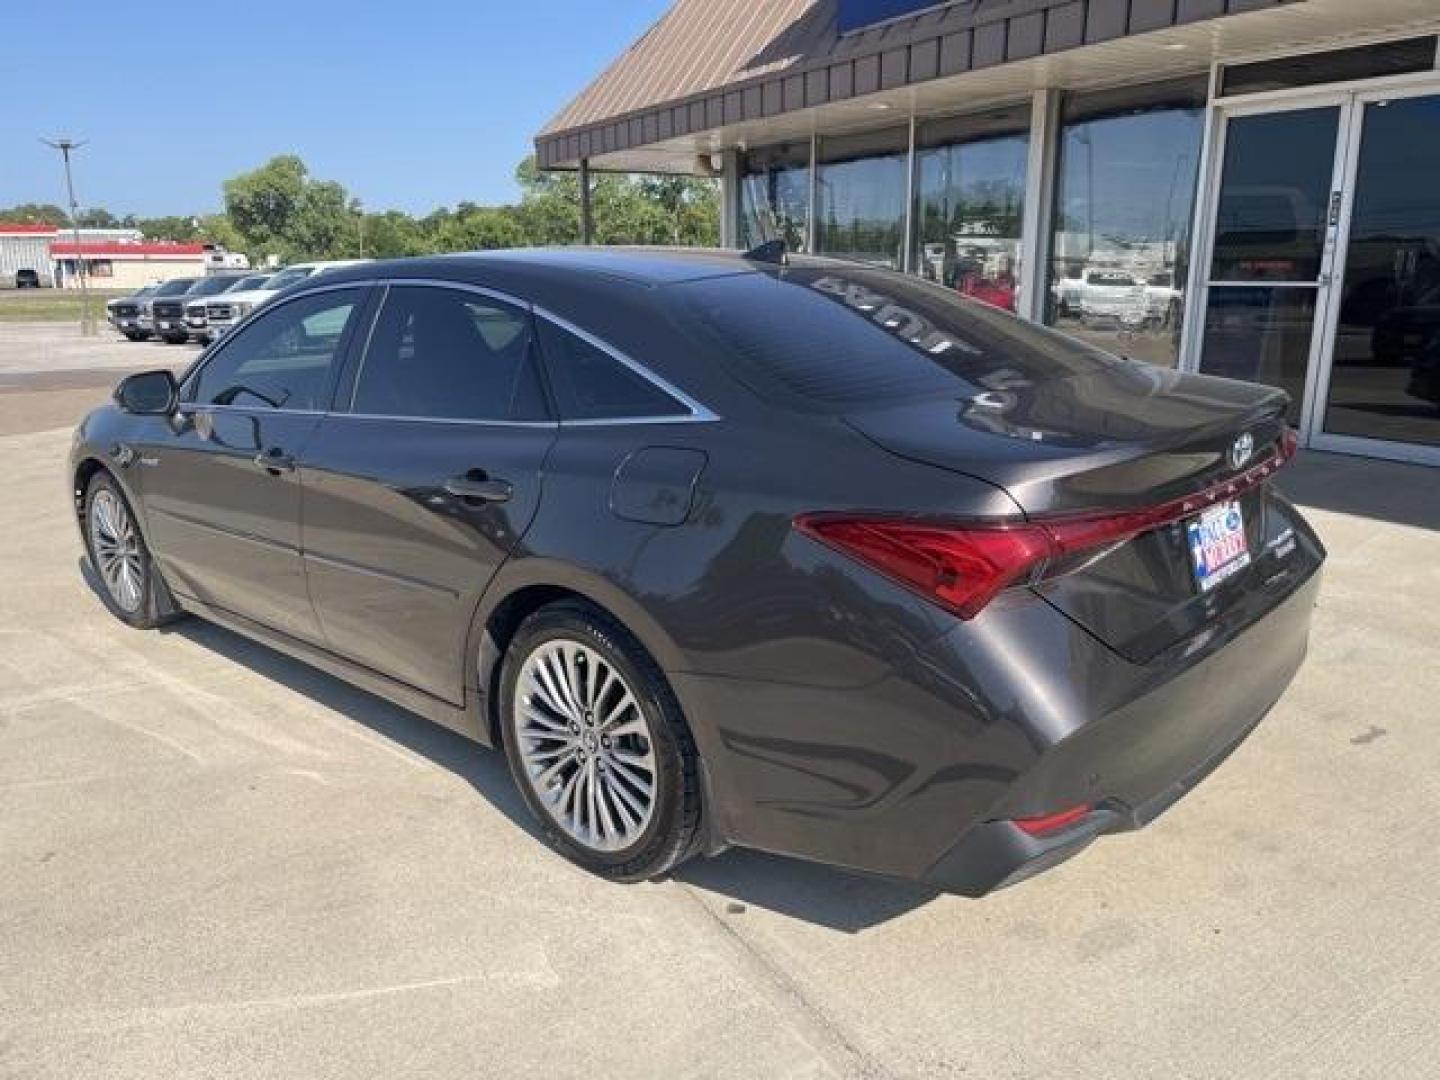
(219, 862)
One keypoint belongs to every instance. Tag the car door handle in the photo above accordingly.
(275, 461)
(486, 490)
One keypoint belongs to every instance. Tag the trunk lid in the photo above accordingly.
(1120, 437)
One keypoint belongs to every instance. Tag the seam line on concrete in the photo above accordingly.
(792, 990)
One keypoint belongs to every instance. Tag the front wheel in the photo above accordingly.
(597, 744)
(129, 583)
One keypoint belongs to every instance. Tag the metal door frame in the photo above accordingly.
(1201, 282)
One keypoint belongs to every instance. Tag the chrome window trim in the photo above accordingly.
(551, 424)
(698, 413)
(190, 408)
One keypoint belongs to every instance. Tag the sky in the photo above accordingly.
(410, 105)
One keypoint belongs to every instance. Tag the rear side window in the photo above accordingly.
(835, 338)
(449, 354)
(591, 384)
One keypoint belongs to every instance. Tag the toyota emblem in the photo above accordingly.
(1241, 449)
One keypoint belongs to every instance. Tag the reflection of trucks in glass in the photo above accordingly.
(981, 266)
(1162, 299)
(1112, 294)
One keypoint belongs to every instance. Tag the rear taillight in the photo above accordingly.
(963, 565)
(961, 568)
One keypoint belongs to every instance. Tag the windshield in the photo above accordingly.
(1117, 281)
(148, 290)
(211, 285)
(838, 338)
(286, 278)
(245, 284)
(175, 288)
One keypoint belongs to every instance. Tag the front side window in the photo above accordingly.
(283, 359)
(590, 384)
(449, 354)
(970, 204)
(1125, 196)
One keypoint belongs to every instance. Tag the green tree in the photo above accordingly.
(97, 217)
(35, 214)
(219, 229)
(176, 228)
(480, 228)
(263, 203)
(394, 234)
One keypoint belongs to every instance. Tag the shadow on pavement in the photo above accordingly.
(837, 899)
(1365, 487)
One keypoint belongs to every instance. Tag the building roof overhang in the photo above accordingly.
(713, 75)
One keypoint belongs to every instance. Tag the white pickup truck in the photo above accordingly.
(223, 312)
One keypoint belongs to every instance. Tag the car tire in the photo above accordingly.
(176, 339)
(586, 716)
(131, 335)
(128, 580)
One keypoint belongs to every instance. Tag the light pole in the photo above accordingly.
(65, 146)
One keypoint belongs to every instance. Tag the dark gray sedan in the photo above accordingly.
(790, 554)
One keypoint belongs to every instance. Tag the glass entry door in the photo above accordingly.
(1273, 241)
(1323, 266)
(1380, 391)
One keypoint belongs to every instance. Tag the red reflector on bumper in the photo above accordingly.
(1052, 823)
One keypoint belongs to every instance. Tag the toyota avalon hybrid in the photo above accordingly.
(785, 553)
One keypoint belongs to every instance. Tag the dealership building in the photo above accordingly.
(112, 258)
(1248, 188)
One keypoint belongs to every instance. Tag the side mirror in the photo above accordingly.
(148, 393)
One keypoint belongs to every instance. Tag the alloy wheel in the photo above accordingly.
(116, 546)
(585, 745)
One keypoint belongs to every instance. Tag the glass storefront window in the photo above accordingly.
(775, 195)
(860, 196)
(1125, 197)
(970, 203)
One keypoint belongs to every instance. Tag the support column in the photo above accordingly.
(587, 226)
(810, 230)
(730, 200)
(907, 242)
(1039, 204)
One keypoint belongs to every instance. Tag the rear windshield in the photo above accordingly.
(834, 338)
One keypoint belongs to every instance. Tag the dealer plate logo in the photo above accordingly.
(1241, 450)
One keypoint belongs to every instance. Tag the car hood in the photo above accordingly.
(1108, 437)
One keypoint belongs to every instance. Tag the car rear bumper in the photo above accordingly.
(924, 774)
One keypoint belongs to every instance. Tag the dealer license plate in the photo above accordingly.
(1218, 549)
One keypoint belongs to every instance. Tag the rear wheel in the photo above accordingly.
(597, 744)
(129, 583)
